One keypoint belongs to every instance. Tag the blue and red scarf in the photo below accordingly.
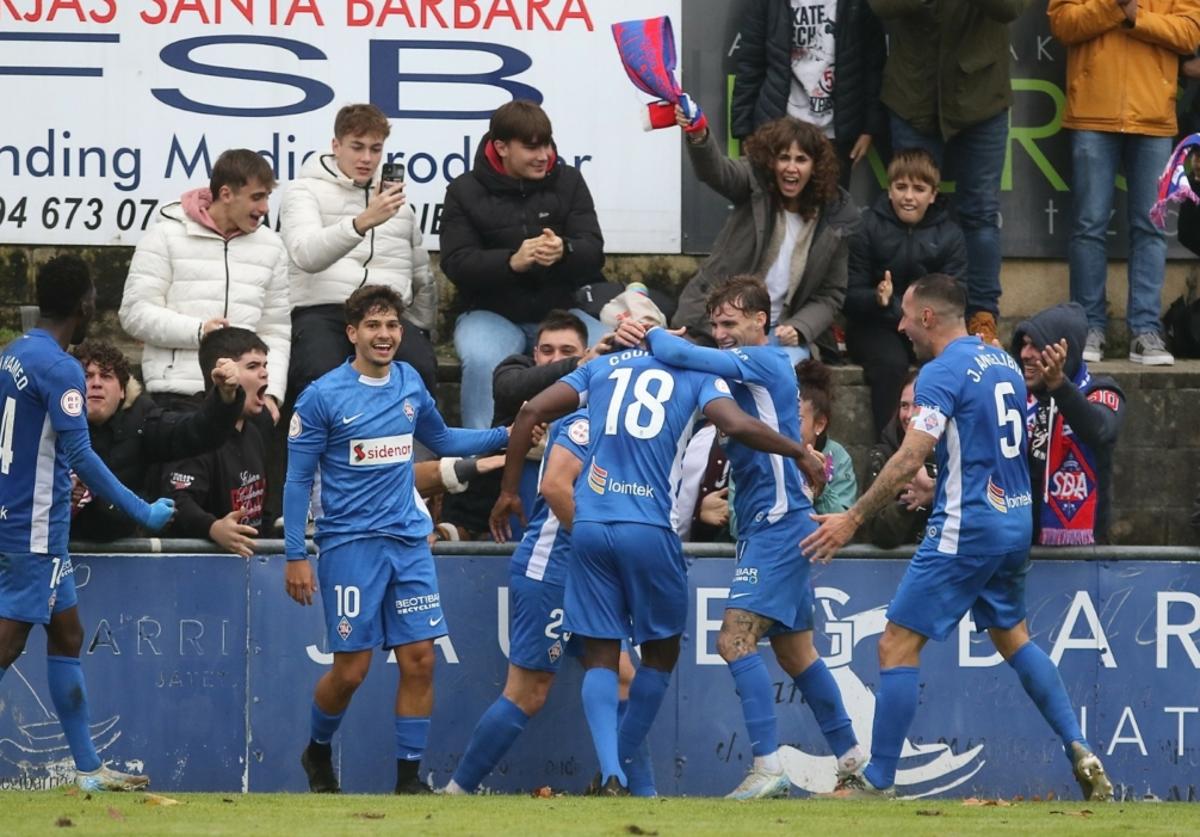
(1070, 488)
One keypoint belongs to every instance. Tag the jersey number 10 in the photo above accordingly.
(643, 401)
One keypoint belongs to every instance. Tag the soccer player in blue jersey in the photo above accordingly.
(969, 403)
(771, 594)
(641, 414)
(43, 436)
(537, 573)
(376, 573)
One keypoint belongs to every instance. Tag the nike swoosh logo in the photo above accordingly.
(348, 419)
(433, 623)
(412, 756)
(738, 595)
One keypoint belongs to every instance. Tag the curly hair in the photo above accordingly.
(775, 137)
(106, 356)
(816, 387)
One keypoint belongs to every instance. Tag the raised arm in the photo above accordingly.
(672, 349)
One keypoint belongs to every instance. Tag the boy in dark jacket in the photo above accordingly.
(906, 234)
(129, 432)
(1072, 421)
(219, 495)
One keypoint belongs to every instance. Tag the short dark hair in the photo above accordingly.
(560, 320)
(744, 293)
(520, 120)
(231, 342)
(106, 356)
(237, 167)
(63, 283)
(773, 138)
(355, 120)
(816, 387)
(371, 298)
(945, 293)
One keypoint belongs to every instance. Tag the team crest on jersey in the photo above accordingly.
(720, 386)
(597, 478)
(995, 497)
(409, 410)
(72, 402)
(555, 651)
(578, 432)
(344, 629)
(295, 428)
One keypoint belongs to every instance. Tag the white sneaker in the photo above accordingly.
(1148, 349)
(853, 761)
(104, 778)
(762, 784)
(1093, 349)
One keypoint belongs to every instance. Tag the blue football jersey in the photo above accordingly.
(641, 414)
(971, 398)
(544, 548)
(764, 385)
(362, 429)
(41, 395)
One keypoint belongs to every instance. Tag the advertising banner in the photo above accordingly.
(115, 107)
(200, 672)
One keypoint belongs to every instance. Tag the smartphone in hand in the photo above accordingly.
(391, 174)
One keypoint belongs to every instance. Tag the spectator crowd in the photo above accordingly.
(236, 320)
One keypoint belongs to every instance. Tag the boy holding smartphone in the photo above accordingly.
(346, 224)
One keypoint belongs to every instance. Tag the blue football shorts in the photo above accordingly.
(938, 589)
(536, 638)
(627, 580)
(33, 586)
(379, 592)
(772, 578)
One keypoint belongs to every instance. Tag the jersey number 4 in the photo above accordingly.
(6, 434)
(1009, 420)
(644, 402)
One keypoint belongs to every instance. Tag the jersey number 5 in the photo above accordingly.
(1009, 420)
(643, 400)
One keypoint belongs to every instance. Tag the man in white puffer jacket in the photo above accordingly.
(210, 263)
(344, 228)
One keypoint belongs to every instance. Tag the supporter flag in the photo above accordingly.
(1175, 186)
(647, 49)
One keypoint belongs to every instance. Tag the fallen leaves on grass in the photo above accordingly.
(976, 802)
(64, 822)
(925, 812)
(114, 814)
(156, 799)
(1082, 813)
(371, 815)
(637, 829)
(544, 792)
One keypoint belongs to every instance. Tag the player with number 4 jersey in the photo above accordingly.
(975, 555)
(629, 577)
(378, 584)
(43, 436)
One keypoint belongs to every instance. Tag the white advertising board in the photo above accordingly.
(114, 107)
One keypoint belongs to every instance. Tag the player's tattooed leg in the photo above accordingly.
(740, 632)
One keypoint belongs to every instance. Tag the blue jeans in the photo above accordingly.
(974, 160)
(483, 339)
(1096, 157)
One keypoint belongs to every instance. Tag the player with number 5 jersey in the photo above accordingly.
(378, 584)
(43, 435)
(975, 555)
(629, 577)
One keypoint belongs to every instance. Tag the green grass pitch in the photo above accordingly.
(65, 812)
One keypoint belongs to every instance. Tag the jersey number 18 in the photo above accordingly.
(644, 401)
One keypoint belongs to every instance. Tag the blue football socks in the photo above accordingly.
(69, 694)
(1044, 684)
(322, 726)
(895, 708)
(646, 695)
(600, 707)
(412, 734)
(824, 698)
(494, 734)
(758, 705)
